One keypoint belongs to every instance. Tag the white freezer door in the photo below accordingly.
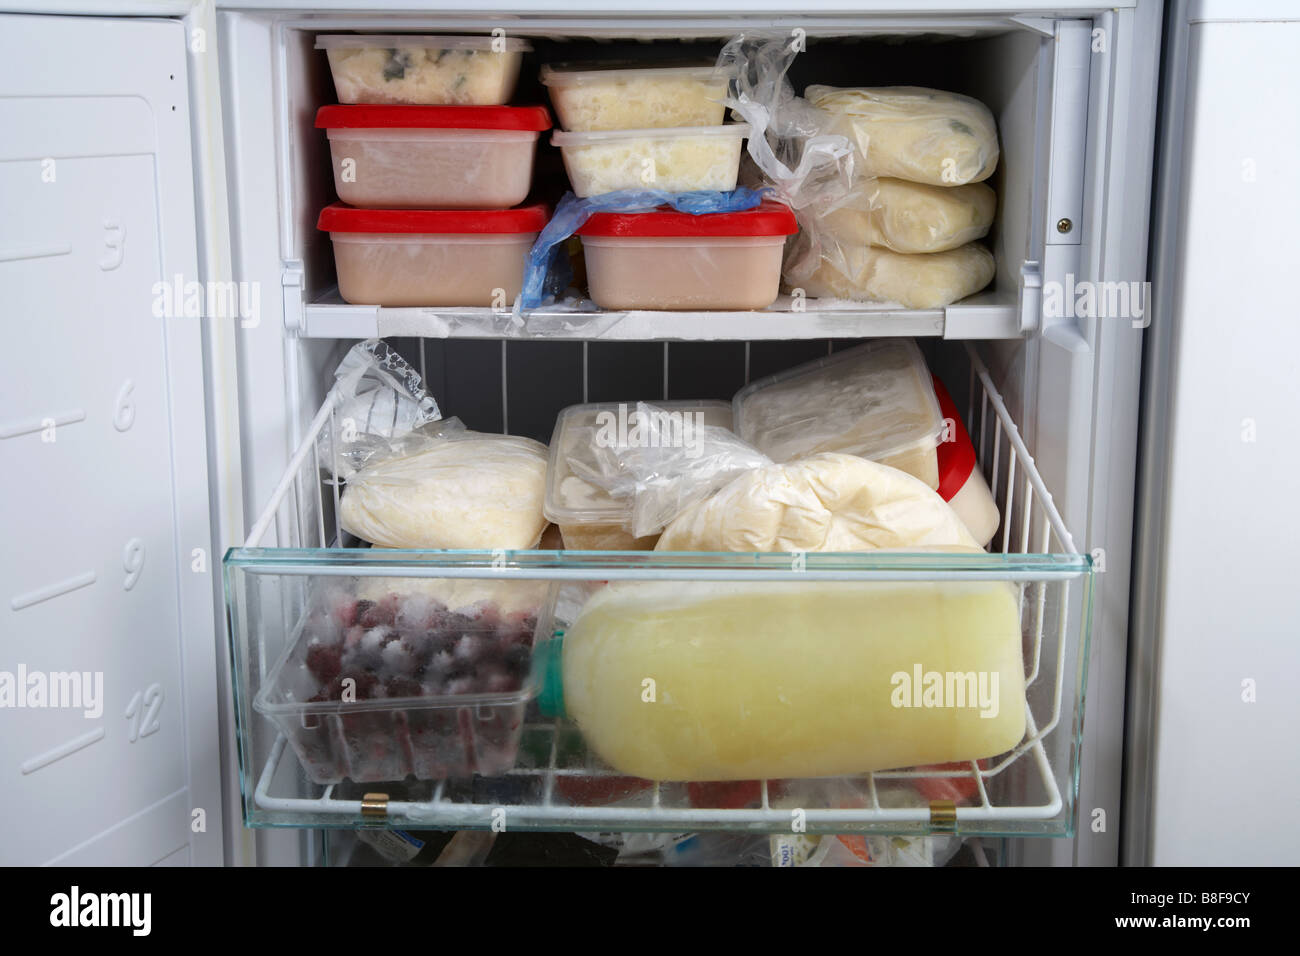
(107, 565)
(1213, 711)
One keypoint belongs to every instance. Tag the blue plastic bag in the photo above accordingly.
(547, 272)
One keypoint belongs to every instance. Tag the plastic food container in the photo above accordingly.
(421, 257)
(591, 97)
(433, 157)
(588, 517)
(961, 483)
(674, 260)
(434, 70)
(677, 160)
(435, 693)
(876, 400)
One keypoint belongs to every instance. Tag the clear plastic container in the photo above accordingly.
(673, 260)
(432, 70)
(590, 97)
(876, 400)
(433, 157)
(408, 257)
(677, 160)
(435, 692)
(590, 519)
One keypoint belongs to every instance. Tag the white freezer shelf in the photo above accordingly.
(979, 317)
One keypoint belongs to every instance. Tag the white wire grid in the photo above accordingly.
(1027, 790)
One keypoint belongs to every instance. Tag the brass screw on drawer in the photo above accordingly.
(374, 805)
(1064, 225)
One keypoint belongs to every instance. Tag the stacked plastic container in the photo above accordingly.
(637, 128)
(431, 166)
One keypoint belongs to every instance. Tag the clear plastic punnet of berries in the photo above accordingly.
(396, 677)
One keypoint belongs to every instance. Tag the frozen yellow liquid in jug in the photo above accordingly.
(737, 681)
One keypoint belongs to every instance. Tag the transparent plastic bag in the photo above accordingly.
(913, 133)
(460, 490)
(547, 273)
(380, 400)
(669, 461)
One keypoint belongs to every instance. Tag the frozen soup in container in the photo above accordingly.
(431, 257)
(433, 157)
(674, 260)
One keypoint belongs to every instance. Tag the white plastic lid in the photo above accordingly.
(581, 74)
(573, 500)
(569, 138)
(361, 41)
(876, 400)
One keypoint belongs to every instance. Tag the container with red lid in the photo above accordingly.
(677, 261)
(422, 257)
(433, 157)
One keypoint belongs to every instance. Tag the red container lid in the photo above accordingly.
(338, 217)
(769, 218)
(956, 457)
(366, 116)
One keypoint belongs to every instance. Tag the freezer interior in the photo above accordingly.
(513, 374)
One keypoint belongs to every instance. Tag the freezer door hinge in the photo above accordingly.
(1031, 295)
(291, 288)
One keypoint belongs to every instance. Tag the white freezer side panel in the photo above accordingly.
(1225, 707)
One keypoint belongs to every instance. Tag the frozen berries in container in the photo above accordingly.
(391, 678)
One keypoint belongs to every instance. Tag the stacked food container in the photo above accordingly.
(431, 167)
(661, 128)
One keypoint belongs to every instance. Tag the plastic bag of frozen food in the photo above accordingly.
(913, 133)
(666, 461)
(380, 399)
(546, 273)
(913, 217)
(929, 280)
(828, 502)
(461, 490)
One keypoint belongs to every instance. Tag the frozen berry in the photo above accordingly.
(482, 613)
(325, 661)
(398, 658)
(499, 682)
(469, 648)
(364, 684)
(331, 691)
(375, 614)
(350, 612)
(370, 651)
(460, 685)
(440, 664)
(403, 687)
(353, 636)
(419, 645)
(518, 660)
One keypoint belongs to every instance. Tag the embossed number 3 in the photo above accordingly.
(113, 242)
(144, 719)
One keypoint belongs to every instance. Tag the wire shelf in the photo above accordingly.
(555, 784)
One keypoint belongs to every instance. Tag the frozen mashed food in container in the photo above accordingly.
(591, 97)
(589, 518)
(876, 401)
(674, 260)
(422, 257)
(433, 157)
(434, 70)
(679, 159)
